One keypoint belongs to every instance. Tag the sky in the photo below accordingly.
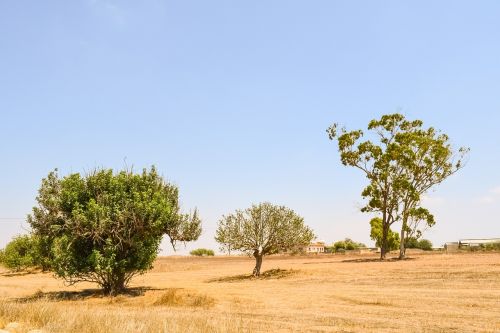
(231, 101)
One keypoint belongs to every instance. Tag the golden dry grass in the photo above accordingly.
(431, 293)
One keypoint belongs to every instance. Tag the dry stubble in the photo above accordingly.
(431, 293)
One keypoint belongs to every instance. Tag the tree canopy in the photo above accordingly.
(263, 229)
(106, 227)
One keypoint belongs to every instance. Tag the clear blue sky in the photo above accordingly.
(231, 99)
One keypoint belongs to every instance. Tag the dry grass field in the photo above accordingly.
(429, 293)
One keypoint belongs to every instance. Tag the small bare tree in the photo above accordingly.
(261, 230)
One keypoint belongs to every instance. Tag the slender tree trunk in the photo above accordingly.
(258, 264)
(383, 247)
(402, 245)
(402, 249)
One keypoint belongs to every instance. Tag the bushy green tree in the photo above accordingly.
(263, 229)
(106, 227)
(19, 253)
(376, 234)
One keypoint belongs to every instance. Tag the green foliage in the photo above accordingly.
(202, 252)
(425, 244)
(42, 256)
(411, 243)
(330, 249)
(490, 247)
(347, 244)
(106, 227)
(18, 254)
(401, 163)
(414, 243)
(263, 229)
(376, 233)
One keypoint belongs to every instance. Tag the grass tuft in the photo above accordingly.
(178, 297)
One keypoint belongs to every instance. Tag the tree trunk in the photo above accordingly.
(402, 248)
(383, 247)
(115, 285)
(258, 264)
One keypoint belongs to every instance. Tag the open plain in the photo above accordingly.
(326, 293)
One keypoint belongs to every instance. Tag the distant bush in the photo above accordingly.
(492, 247)
(347, 244)
(485, 247)
(411, 243)
(329, 249)
(423, 244)
(202, 252)
(19, 253)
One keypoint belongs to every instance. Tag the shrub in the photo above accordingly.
(411, 243)
(347, 244)
(492, 247)
(414, 243)
(202, 252)
(425, 244)
(18, 254)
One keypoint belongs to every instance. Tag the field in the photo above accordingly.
(330, 293)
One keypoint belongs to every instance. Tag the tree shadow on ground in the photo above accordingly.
(274, 273)
(359, 260)
(19, 273)
(81, 294)
(377, 260)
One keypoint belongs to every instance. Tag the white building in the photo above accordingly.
(317, 247)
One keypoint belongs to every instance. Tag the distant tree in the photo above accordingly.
(376, 234)
(106, 227)
(18, 253)
(263, 229)
(402, 163)
(202, 252)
